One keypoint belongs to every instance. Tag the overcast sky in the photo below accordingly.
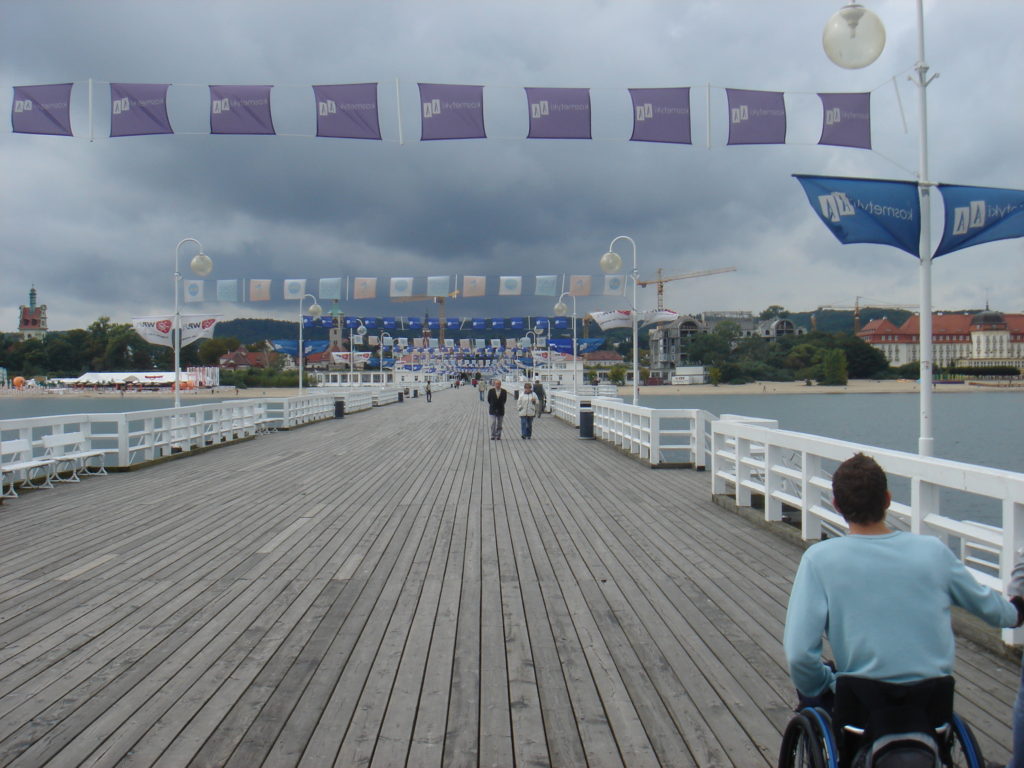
(94, 224)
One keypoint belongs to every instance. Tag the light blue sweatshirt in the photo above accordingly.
(884, 603)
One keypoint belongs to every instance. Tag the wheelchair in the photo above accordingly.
(874, 724)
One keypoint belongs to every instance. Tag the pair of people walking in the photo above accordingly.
(527, 407)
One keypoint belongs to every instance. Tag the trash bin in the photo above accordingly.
(586, 423)
(415, 393)
(339, 409)
(401, 396)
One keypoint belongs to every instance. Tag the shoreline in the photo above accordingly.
(854, 386)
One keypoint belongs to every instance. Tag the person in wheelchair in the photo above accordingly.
(883, 598)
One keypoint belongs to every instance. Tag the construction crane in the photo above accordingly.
(660, 281)
(441, 317)
(856, 310)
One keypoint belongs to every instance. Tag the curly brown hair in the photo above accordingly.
(860, 490)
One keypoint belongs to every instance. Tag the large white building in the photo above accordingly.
(986, 338)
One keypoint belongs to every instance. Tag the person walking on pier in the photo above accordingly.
(496, 398)
(881, 596)
(528, 406)
(538, 389)
(481, 388)
(428, 392)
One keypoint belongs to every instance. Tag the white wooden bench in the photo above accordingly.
(17, 462)
(70, 453)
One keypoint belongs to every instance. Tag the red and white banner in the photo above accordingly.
(159, 330)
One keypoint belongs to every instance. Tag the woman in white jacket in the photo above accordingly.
(527, 406)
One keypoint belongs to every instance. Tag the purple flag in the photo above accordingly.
(451, 112)
(43, 109)
(846, 120)
(347, 111)
(661, 114)
(559, 113)
(240, 109)
(756, 117)
(138, 109)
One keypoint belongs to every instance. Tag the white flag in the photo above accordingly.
(401, 286)
(195, 327)
(155, 330)
(659, 316)
(618, 318)
(614, 285)
(295, 288)
(193, 290)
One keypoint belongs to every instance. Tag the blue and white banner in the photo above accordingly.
(976, 215)
(867, 210)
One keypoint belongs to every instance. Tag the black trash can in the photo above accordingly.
(401, 396)
(586, 423)
(339, 409)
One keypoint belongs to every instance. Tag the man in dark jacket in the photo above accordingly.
(538, 390)
(496, 398)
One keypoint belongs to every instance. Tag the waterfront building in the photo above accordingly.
(669, 342)
(987, 338)
(32, 318)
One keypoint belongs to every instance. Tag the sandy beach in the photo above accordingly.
(856, 386)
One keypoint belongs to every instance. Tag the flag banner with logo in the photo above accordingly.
(661, 114)
(330, 289)
(976, 215)
(614, 285)
(138, 109)
(515, 323)
(347, 111)
(579, 285)
(547, 285)
(867, 210)
(560, 323)
(414, 324)
(192, 291)
(324, 321)
(564, 346)
(453, 324)
(497, 323)
(756, 117)
(618, 318)
(846, 120)
(155, 330)
(559, 113)
(473, 285)
(295, 288)
(364, 288)
(509, 285)
(259, 290)
(227, 290)
(495, 343)
(42, 109)
(401, 286)
(478, 324)
(451, 112)
(433, 323)
(541, 322)
(388, 323)
(438, 285)
(241, 109)
(652, 316)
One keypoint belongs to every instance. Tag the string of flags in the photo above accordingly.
(434, 286)
(447, 112)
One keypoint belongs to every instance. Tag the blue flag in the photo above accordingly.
(867, 210)
(976, 215)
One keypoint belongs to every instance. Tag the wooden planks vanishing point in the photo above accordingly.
(395, 589)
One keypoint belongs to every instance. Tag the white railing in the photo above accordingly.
(136, 437)
(658, 436)
(791, 469)
(385, 395)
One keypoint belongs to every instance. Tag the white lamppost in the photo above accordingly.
(611, 263)
(315, 310)
(356, 327)
(560, 310)
(853, 38)
(383, 376)
(202, 265)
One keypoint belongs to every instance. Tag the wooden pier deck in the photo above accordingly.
(395, 589)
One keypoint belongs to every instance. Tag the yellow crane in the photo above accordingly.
(660, 281)
(441, 317)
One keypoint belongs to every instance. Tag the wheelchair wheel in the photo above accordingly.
(807, 742)
(965, 752)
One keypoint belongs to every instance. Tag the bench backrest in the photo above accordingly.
(18, 450)
(63, 440)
